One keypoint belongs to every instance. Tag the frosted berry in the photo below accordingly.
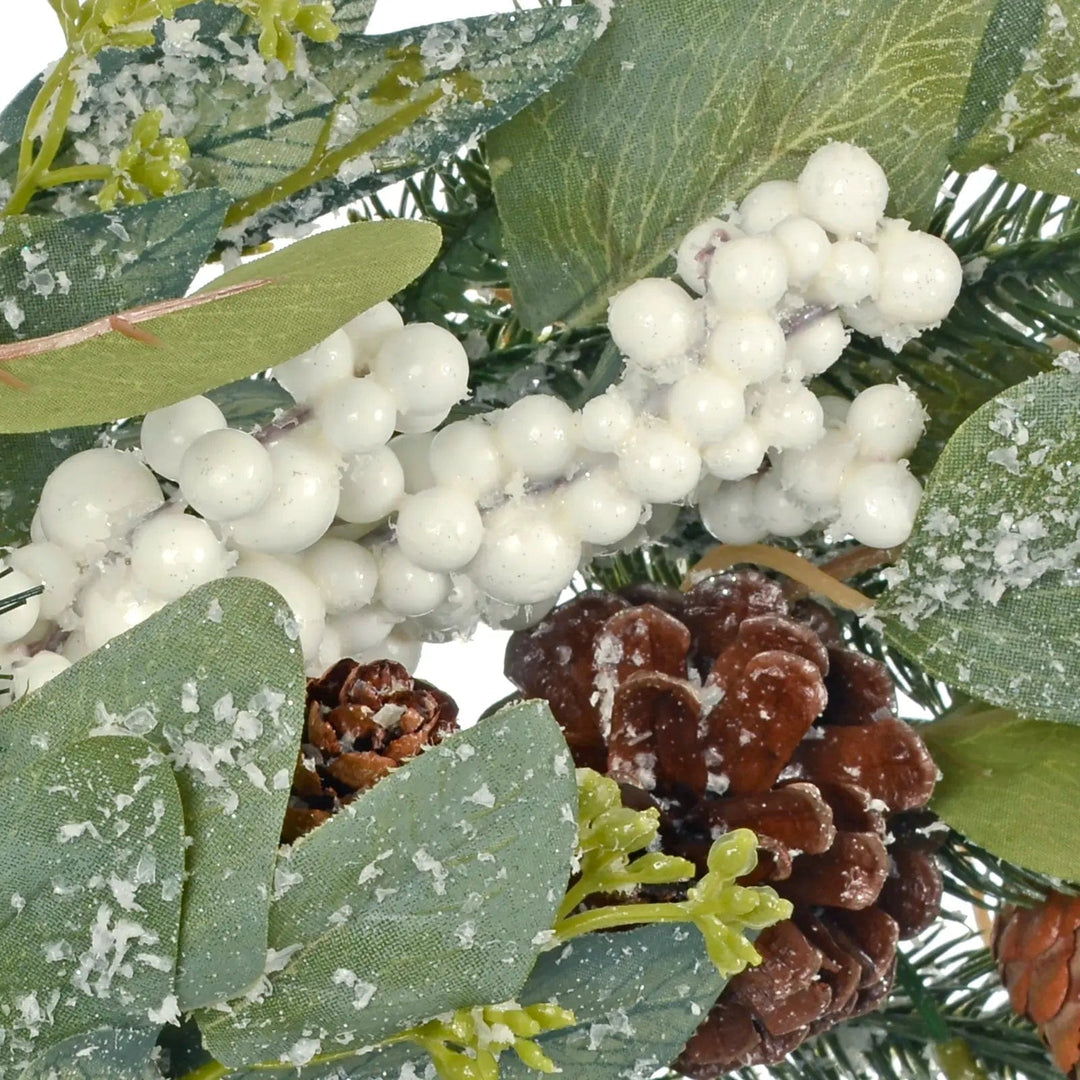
(748, 274)
(308, 376)
(778, 512)
(878, 503)
(302, 503)
(414, 453)
(173, 553)
(655, 323)
(400, 646)
(849, 274)
(357, 415)
(789, 416)
(813, 476)
(405, 588)
(371, 486)
(363, 629)
(748, 347)
(886, 421)
(767, 205)
(843, 189)
(601, 510)
(706, 406)
(815, 347)
(696, 250)
(439, 529)
(344, 572)
(658, 464)
(736, 457)
(94, 497)
(226, 474)
(18, 622)
(805, 245)
(368, 331)
(35, 671)
(729, 513)
(424, 367)
(413, 423)
(49, 565)
(166, 433)
(525, 557)
(466, 454)
(605, 422)
(920, 276)
(297, 590)
(112, 605)
(537, 436)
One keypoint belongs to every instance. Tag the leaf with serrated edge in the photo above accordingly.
(1003, 779)
(682, 107)
(985, 596)
(430, 893)
(91, 859)
(1025, 120)
(310, 289)
(220, 650)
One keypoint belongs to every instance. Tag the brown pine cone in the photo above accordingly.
(729, 709)
(1038, 954)
(361, 722)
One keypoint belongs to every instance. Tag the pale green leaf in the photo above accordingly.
(1010, 785)
(310, 289)
(430, 893)
(1022, 115)
(986, 595)
(220, 650)
(91, 859)
(684, 105)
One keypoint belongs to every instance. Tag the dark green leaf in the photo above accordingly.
(1011, 785)
(105, 1054)
(986, 595)
(57, 273)
(91, 860)
(250, 403)
(313, 287)
(1022, 114)
(683, 106)
(214, 684)
(430, 893)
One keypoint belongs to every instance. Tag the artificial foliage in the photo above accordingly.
(238, 838)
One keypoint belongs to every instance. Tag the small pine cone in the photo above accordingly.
(1038, 955)
(729, 709)
(362, 721)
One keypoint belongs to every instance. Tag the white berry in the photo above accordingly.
(18, 622)
(424, 367)
(226, 474)
(413, 423)
(878, 503)
(600, 509)
(843, 189)
(357, 415)
(173, 552)
(815, 347)
(788, 416)
(362, 630)
(696, 250)
(439, 529)
(706, 406)
(658, 464)
(748, 274)
(747, 347)
(344, 572)
(414, 453)
(302, 502)
(94, 497)
(166, 433)
(730, 515)
(813, 476)
(112, 605)
(920, 277)
(776, 510)
(605, 422)
(466, 454)
(767, 205)
(369, 330)
(34, 672)
(296, 589)
(49, 565)
(525, 557)
(849, 274)
(371, 486)
(405, 588)
(308, 376)
(886, 421)
(400, 646)
(805, 245)
(655, 323)
(738, 456)
(537, 436)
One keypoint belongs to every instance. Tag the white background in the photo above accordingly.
(470, 671)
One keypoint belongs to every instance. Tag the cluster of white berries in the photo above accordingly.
(379, 540)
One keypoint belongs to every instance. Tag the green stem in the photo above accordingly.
(73, 175)
(610, 918)
(212, 1070)
(38, 107)
(27, 184)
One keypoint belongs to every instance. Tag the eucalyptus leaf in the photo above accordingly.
(308, 290)
(1022, 113)
(432, 892)
(1004, 780)
(104, 1054)
(684, 105)
(215, 685)
(987, 592)
(91, 858)
(57, 273)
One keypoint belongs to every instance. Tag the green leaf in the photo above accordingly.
(91, 859)
(310, 289)
(58, 273)
(430, 893)
(104, 1054)
(684, 106)
(220, 650)
(1022, 113)
(1010, 785)
(986, 597)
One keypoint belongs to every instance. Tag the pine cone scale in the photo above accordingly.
(850, 875)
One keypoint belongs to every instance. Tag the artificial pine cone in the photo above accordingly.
(1038, 954)
(726, 708)
(361, 722)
